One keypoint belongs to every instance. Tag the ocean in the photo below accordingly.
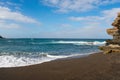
(30, 51)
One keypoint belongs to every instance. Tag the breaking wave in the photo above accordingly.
(80, 42)
(18, 61)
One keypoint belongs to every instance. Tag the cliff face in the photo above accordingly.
(113, 45)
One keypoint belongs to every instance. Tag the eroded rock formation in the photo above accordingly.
(113, 45)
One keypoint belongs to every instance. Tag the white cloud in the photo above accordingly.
(65, 25)
(8, 14)
(97, 24)
(13, 23)
(106, 16)
(110, 14)
(85, 27)
(7, 3)
(89, 31)
(77, 5)
(89, 26)
(88, 18)
(9, 26)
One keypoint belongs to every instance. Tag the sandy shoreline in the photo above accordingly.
(92, 67)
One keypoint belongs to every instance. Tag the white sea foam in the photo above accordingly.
(14, 61)
(73, 42)
(80, 42)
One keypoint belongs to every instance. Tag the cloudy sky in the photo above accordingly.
(57, 18)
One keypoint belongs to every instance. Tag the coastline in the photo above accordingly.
(96, 66)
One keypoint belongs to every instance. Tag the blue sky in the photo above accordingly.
(57, 18)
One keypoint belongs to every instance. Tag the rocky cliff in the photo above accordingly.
(113, 45)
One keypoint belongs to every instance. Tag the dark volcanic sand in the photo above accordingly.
(93, 67)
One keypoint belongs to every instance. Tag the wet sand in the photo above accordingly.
(96, 66)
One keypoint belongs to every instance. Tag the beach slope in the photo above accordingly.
(93, 67)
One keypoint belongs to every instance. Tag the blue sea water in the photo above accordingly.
(24, 52)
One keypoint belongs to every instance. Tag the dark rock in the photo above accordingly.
(1, 37)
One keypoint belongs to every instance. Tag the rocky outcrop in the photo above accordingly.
(113, 45)
(1, 37)
(112, 31)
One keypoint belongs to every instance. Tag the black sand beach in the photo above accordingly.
(93, 67)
